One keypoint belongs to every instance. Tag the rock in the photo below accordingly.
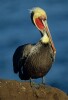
(13, 90)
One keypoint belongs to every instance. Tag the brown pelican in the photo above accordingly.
(35, 60)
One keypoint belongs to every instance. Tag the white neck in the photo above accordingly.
(45, 39)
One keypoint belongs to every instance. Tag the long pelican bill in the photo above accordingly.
(39, 19)
(46, 29)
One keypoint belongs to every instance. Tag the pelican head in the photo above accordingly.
(39, 19)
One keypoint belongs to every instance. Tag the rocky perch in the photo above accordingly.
(14, 90)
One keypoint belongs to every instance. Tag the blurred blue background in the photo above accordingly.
(16, 29)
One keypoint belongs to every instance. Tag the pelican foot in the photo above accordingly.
(42, 85)
(34, 85)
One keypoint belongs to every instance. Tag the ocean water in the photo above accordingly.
(16, 29)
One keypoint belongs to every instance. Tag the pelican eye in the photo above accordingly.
(42, 18)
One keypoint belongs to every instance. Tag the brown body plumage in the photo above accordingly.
(34, 61)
